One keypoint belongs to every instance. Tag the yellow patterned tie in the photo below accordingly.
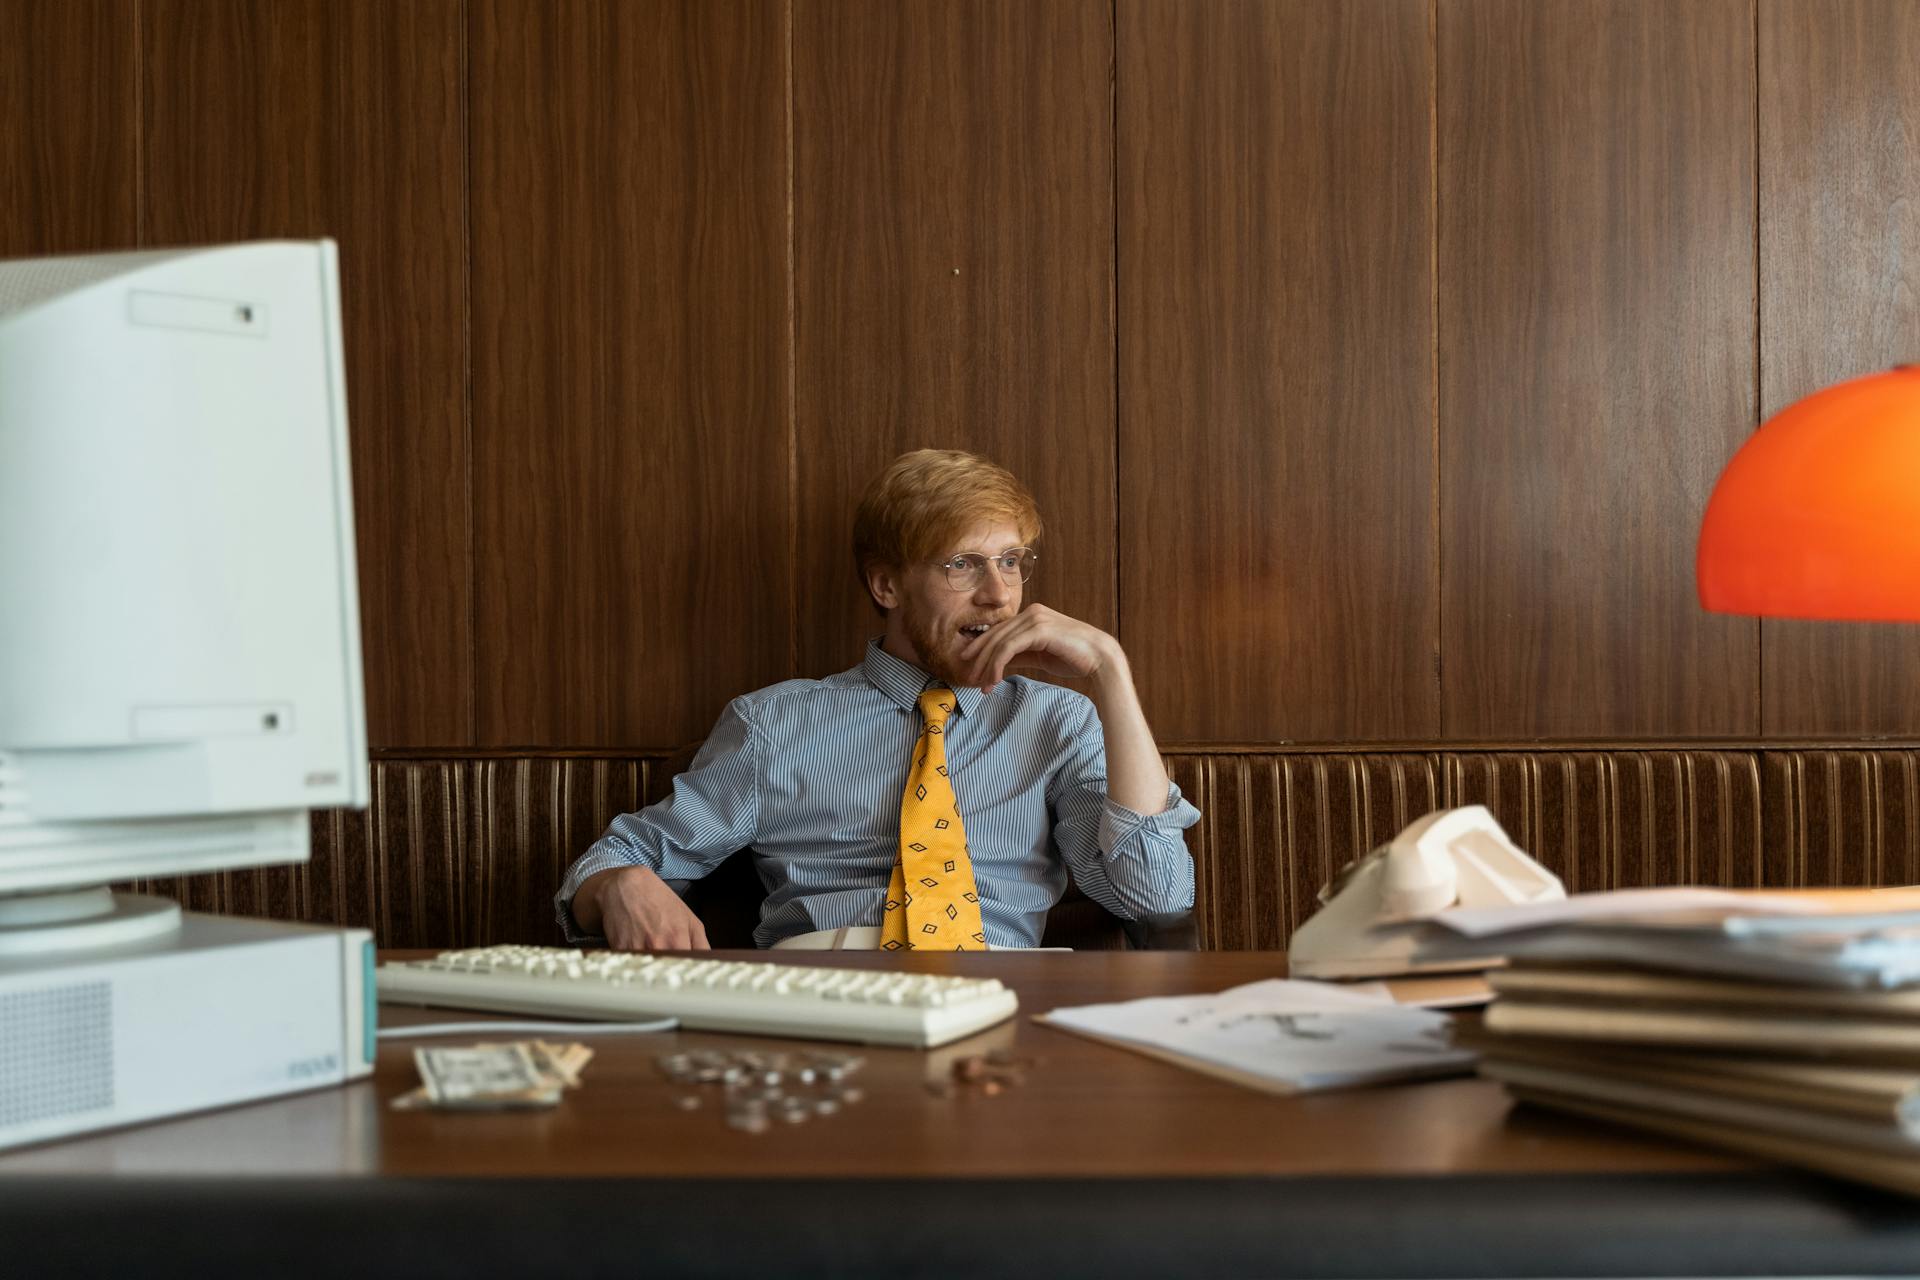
(932, 902)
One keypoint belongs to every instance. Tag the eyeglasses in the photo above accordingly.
(965, 570)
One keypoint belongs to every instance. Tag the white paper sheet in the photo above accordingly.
(1620, 904)
(1285, 1035)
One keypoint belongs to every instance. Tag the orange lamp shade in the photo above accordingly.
(1818, 514)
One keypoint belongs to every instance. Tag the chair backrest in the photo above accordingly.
(728, 901)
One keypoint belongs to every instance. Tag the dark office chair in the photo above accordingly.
(728, 904)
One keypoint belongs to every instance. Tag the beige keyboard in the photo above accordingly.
(758, 997)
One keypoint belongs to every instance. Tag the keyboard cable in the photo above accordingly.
(557, 1028)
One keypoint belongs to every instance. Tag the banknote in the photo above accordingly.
(487, 1076)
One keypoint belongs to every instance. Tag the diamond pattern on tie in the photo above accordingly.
(945, 914)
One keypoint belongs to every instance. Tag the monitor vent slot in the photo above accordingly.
(13, 790)
(56, 1053)
(30, 282)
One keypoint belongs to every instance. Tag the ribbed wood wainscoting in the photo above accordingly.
(461, 851)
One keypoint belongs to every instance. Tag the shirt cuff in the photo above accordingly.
(600, 858)
(1117, 822)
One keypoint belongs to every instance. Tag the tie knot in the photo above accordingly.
(936, 704)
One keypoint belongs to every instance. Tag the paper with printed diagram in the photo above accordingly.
(1280, 1035)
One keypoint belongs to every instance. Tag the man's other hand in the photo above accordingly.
(637, 911)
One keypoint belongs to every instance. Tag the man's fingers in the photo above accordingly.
(991, 645)
(993, 668)
(700, 942)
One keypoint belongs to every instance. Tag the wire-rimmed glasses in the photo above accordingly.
(1015, 564)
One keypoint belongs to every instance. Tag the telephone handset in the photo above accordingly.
(1451, 857)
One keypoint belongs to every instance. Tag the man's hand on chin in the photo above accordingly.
(1044, 640)
(1040, 639)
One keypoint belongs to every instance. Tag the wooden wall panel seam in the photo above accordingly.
(1360, 814)
(1686, 817)
(793, 347)
(1688, 810)
(1828, 850)
(1910, 809)
(1649, 830)
(1607, 810)
(471, 691)
(417, 862)
(557, 824)
(1794, 834)
(136, 23)
(1872, 810)
(379, 854)
(1436, 557)
(471, 877)
(1116, 513)
(1576, 873)
(1759, 357)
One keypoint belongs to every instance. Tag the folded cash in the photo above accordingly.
(495, 1077)
(565, 1061)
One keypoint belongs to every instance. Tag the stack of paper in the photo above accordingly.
(1785, 1027)
(1833, 938)
(1279, 1035)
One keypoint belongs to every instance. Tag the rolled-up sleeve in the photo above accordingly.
(1133, 864)
(714, 811)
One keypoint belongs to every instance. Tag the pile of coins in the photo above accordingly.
(758, 1088)
(991, 1073)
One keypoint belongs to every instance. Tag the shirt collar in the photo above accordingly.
(902, 681)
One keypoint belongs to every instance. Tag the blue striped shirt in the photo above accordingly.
(808, 774)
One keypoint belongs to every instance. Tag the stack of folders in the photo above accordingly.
(1794, 1038)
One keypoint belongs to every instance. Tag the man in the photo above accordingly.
(925, 798)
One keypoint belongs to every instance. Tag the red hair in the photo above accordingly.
(925, 499)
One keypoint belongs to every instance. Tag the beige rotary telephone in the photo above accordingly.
(1368, 927)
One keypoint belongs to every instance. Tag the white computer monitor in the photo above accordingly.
(180, 677)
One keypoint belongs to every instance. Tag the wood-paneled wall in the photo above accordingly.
(953, 279)
(1276, 369)
(1596, 309)
(345, 118)
(631, 365)
(1371, 359)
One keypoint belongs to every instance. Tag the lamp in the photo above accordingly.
(1818, 514)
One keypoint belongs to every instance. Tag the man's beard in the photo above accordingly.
(934, 649)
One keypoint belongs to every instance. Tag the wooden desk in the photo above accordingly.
(1104, 1163)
